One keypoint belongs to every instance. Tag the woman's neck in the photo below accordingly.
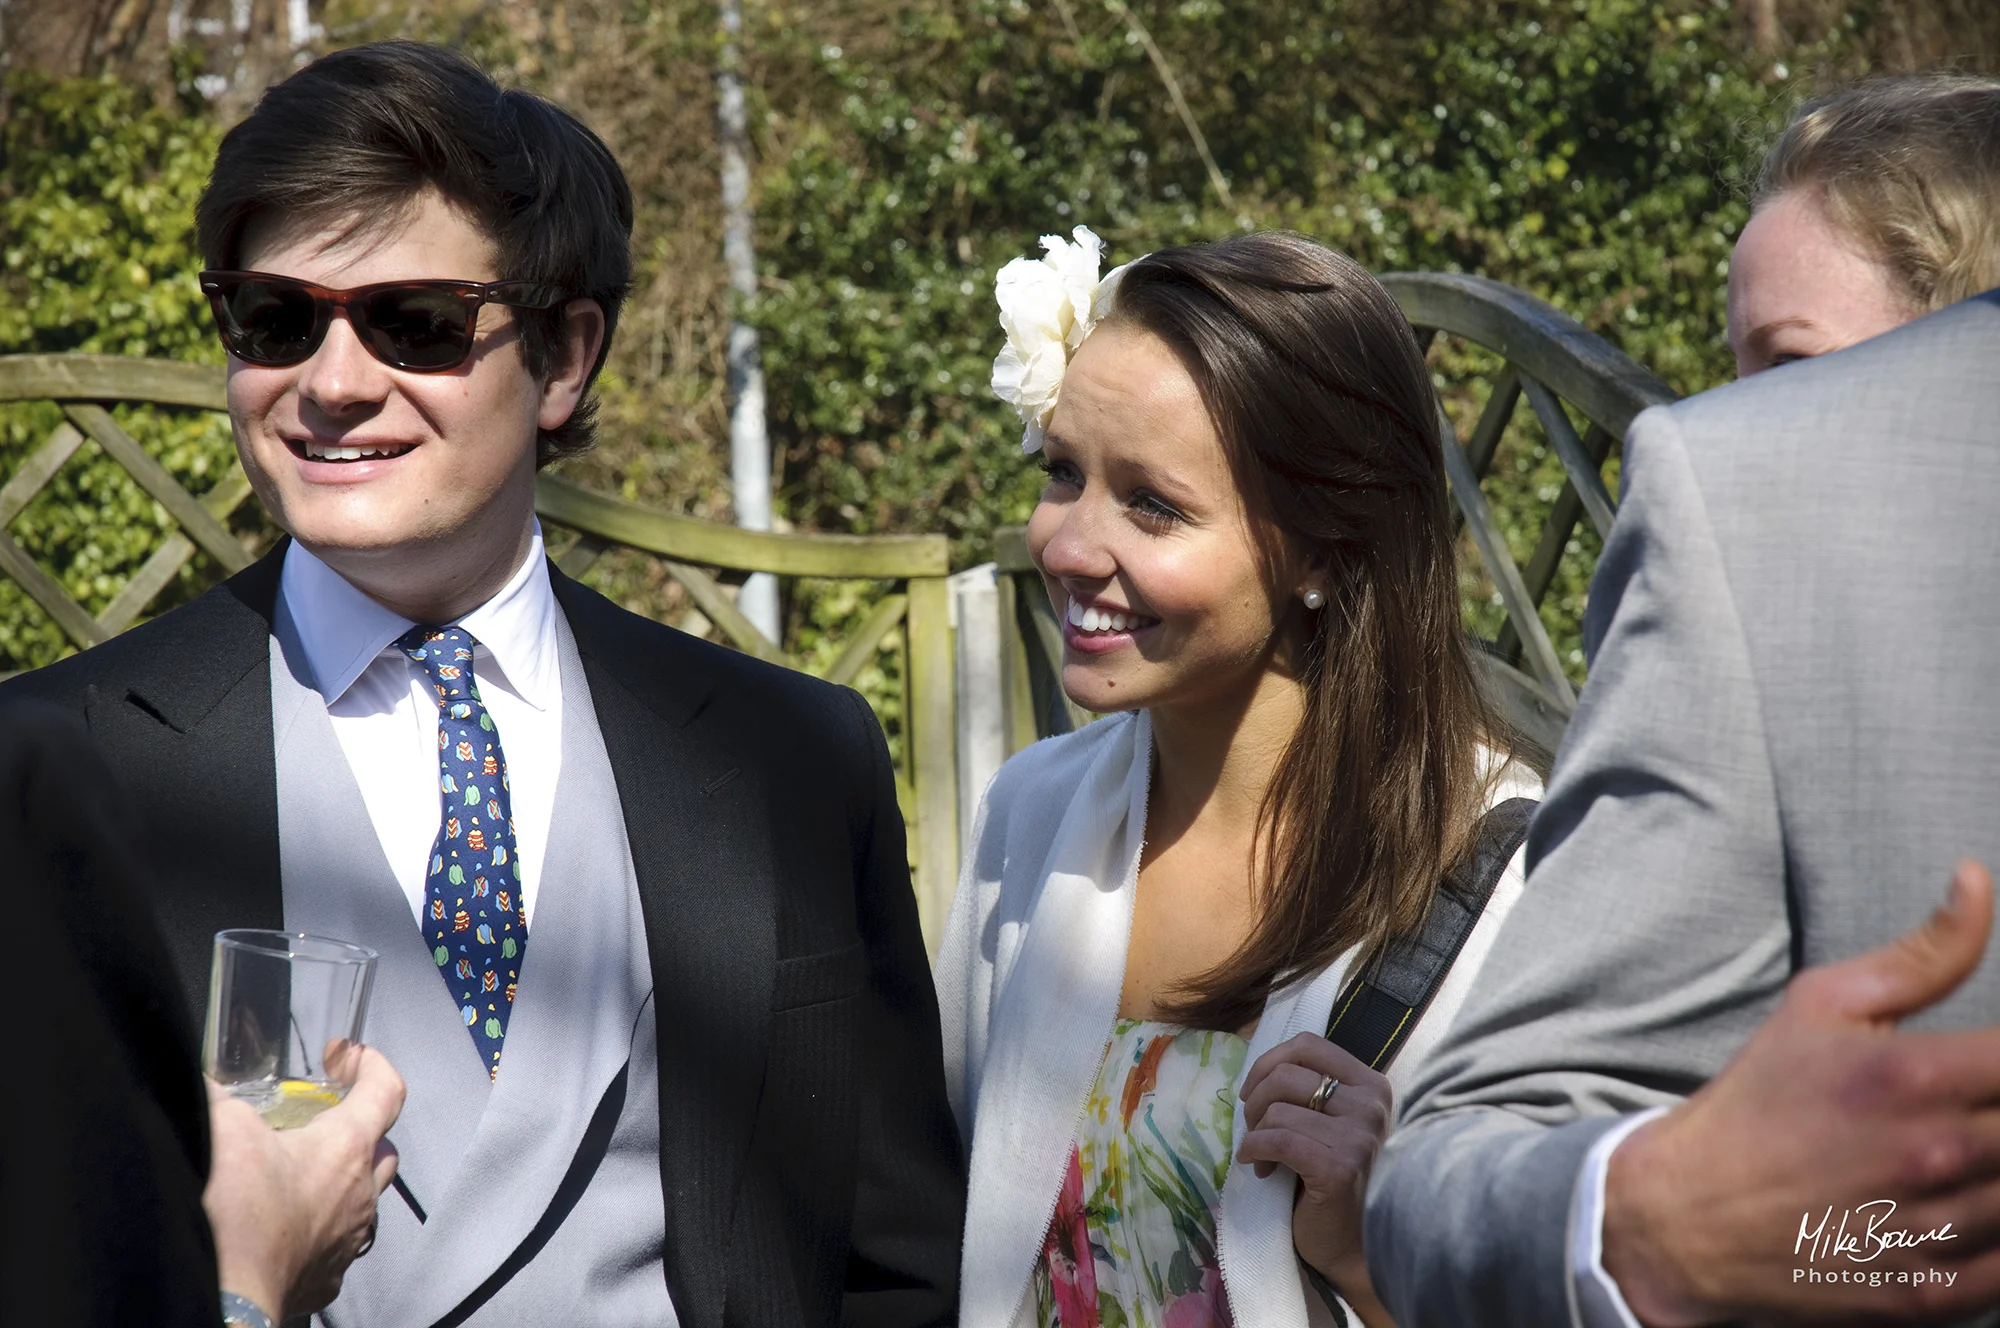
(1215, 758)
(1214, 763)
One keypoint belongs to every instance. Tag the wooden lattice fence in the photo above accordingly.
(691, 551)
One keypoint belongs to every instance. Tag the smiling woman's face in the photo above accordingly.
(1799, 286)
(1147, 546)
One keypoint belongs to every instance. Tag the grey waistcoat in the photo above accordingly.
(518, 1188)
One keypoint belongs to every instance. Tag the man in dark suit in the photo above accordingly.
(650, 962)
(107, 1121)
(112, 1171)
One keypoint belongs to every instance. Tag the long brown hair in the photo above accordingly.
(1315, 382)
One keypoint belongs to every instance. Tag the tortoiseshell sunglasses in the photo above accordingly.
(420, 326)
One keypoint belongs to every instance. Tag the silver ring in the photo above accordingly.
(1322, 1094)
(367, 1244)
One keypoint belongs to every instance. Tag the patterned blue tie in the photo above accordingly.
(472, 915)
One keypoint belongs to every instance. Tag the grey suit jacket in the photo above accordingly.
(1790, 735)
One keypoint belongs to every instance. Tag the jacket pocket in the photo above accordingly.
(812, 979)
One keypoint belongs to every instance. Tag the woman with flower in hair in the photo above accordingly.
(1245, 534)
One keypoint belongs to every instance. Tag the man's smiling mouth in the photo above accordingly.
(308, 450)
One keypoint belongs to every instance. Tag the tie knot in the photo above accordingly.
(445, 655)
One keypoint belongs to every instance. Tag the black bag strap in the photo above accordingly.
(1381, 1004)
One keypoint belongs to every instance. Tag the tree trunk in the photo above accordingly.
(1762, 16)
(749, 441)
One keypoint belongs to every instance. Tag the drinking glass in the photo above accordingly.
(285, 1012)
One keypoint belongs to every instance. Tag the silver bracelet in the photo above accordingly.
(243, 1313)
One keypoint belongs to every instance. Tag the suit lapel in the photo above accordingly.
(189, 725)
(701, 852)
(1254, 1228)
(1052, 1011)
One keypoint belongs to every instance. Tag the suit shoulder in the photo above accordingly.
(222, 622)
(63, 683)
(780, 695)
(147, 647)
(1934, 366)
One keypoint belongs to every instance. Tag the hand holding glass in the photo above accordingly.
(285, 1013)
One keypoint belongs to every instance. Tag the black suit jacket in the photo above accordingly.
(808, 1156)
(106, 1144)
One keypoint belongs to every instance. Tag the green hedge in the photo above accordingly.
(97, 193)
(1589, 151)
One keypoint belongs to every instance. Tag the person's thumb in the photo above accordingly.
(1917, 969)
(376, 1098)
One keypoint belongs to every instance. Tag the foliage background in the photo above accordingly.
(1592, 152)
(97, 191)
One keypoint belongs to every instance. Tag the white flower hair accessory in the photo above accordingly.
(1048, 306)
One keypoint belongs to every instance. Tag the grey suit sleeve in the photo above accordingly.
(1653, 935)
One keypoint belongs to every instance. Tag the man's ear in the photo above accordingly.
(569, 373)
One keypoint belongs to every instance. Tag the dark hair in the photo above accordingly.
(363, 131)
(1313, 378)
(1910, 167)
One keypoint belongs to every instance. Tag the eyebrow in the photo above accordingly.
(1759, 337)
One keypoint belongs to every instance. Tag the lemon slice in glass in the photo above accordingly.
(298, 1101)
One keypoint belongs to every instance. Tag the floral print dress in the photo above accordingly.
(1133, 1241)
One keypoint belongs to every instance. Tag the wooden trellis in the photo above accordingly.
(1550, 358)
(82, 386)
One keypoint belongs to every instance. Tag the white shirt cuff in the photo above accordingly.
(1599, 1304)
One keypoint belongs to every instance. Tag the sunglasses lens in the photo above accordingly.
(266, 323)
(420, 329)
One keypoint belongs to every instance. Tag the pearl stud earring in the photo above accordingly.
(1315, 600)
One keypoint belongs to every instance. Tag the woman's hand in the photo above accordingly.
(291, 1209)
(1332, 1149)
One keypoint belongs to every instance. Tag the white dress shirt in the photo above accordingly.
(1599, 1303)
(385, 714)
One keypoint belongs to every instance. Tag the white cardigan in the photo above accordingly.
(1028, 980)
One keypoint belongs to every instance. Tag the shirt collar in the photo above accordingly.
(342, 631)
(518, 628)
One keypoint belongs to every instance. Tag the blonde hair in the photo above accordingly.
(1910, 167)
